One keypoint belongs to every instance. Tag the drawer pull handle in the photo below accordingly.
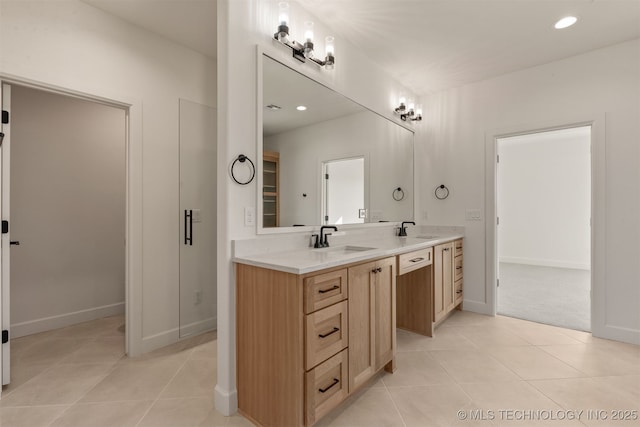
(329, 333)
(417, 259)
(458, 268)
(459, 292)
(446, 249)
(326, 389)
(324, 291)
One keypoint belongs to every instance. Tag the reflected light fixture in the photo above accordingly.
(303, 51)
(301, 108)
(408, 113)
(565, 22)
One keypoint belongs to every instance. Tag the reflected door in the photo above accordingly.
(197, 218)
(344, 191)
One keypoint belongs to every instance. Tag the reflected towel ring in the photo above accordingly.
(242, 158)
(398, 194)
(442, 192)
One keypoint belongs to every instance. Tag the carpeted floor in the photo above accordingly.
(555, 296)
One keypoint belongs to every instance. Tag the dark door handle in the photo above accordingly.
(188, 227)
(15, 242)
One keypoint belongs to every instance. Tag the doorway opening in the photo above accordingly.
(343, 190)
(64, 197)
(544, 227)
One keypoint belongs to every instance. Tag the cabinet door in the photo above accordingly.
(443, 280)
(361, 324)
(385, 320)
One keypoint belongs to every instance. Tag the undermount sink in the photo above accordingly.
(427, 237)
(345, 250)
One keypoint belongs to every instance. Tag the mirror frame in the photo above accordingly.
(260, 229)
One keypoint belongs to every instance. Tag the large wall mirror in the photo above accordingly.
(327, 159)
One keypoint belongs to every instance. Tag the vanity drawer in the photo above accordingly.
(414, 260)
(324, 290)
(326, 386)
(326, 333)
(457, 272)
(458, 247)
(457, 286)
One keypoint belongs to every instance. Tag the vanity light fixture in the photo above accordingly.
(409, 112)
(303, 51)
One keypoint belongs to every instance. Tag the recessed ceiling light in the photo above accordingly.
(301, 108)
(565, 22)
(274, 107)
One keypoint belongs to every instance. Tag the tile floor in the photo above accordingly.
(499, 371)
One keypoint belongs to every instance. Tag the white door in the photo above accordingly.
(5, 240)
(344, 191)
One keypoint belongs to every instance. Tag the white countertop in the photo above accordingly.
(309, 260)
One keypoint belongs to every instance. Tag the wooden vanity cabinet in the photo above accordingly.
(447, 278)
(371, 319)
(305, 342)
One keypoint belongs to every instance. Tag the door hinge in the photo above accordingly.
(326, 176)
(5, 336)
(498, 283)
(498, 158)
(497, 220)
(5, 227)
(5, 117)
(326, 217)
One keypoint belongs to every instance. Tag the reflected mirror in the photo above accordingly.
(327, 159)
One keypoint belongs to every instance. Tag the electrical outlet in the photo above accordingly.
(197, 297)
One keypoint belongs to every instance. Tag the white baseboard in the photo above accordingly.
(545, 263)
(226, 401)
(67, 319)
(477, 307)
(616, 333)
(170, 336)
(198, 327)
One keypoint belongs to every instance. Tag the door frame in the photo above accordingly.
(133, 196)
(598, 198)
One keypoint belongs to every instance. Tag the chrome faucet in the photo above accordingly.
(324, 243)
(403, 229)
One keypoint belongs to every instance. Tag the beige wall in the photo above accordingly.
(67, 210)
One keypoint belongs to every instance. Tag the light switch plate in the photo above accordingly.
(197, 216)
(249, 216)
(473, 215)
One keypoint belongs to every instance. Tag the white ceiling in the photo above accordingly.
(427, 45)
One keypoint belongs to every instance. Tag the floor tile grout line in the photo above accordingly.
(395, 405)
(83, 395)
(165, 387)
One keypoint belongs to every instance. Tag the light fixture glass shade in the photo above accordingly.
(329, 60)
(419, 110)
(403, 100)
(283, 21)
(411, 106)
(565, 22)
(308, 37)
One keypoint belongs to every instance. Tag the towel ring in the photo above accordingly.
(398, 194)
(242, 158)
(442, 192)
